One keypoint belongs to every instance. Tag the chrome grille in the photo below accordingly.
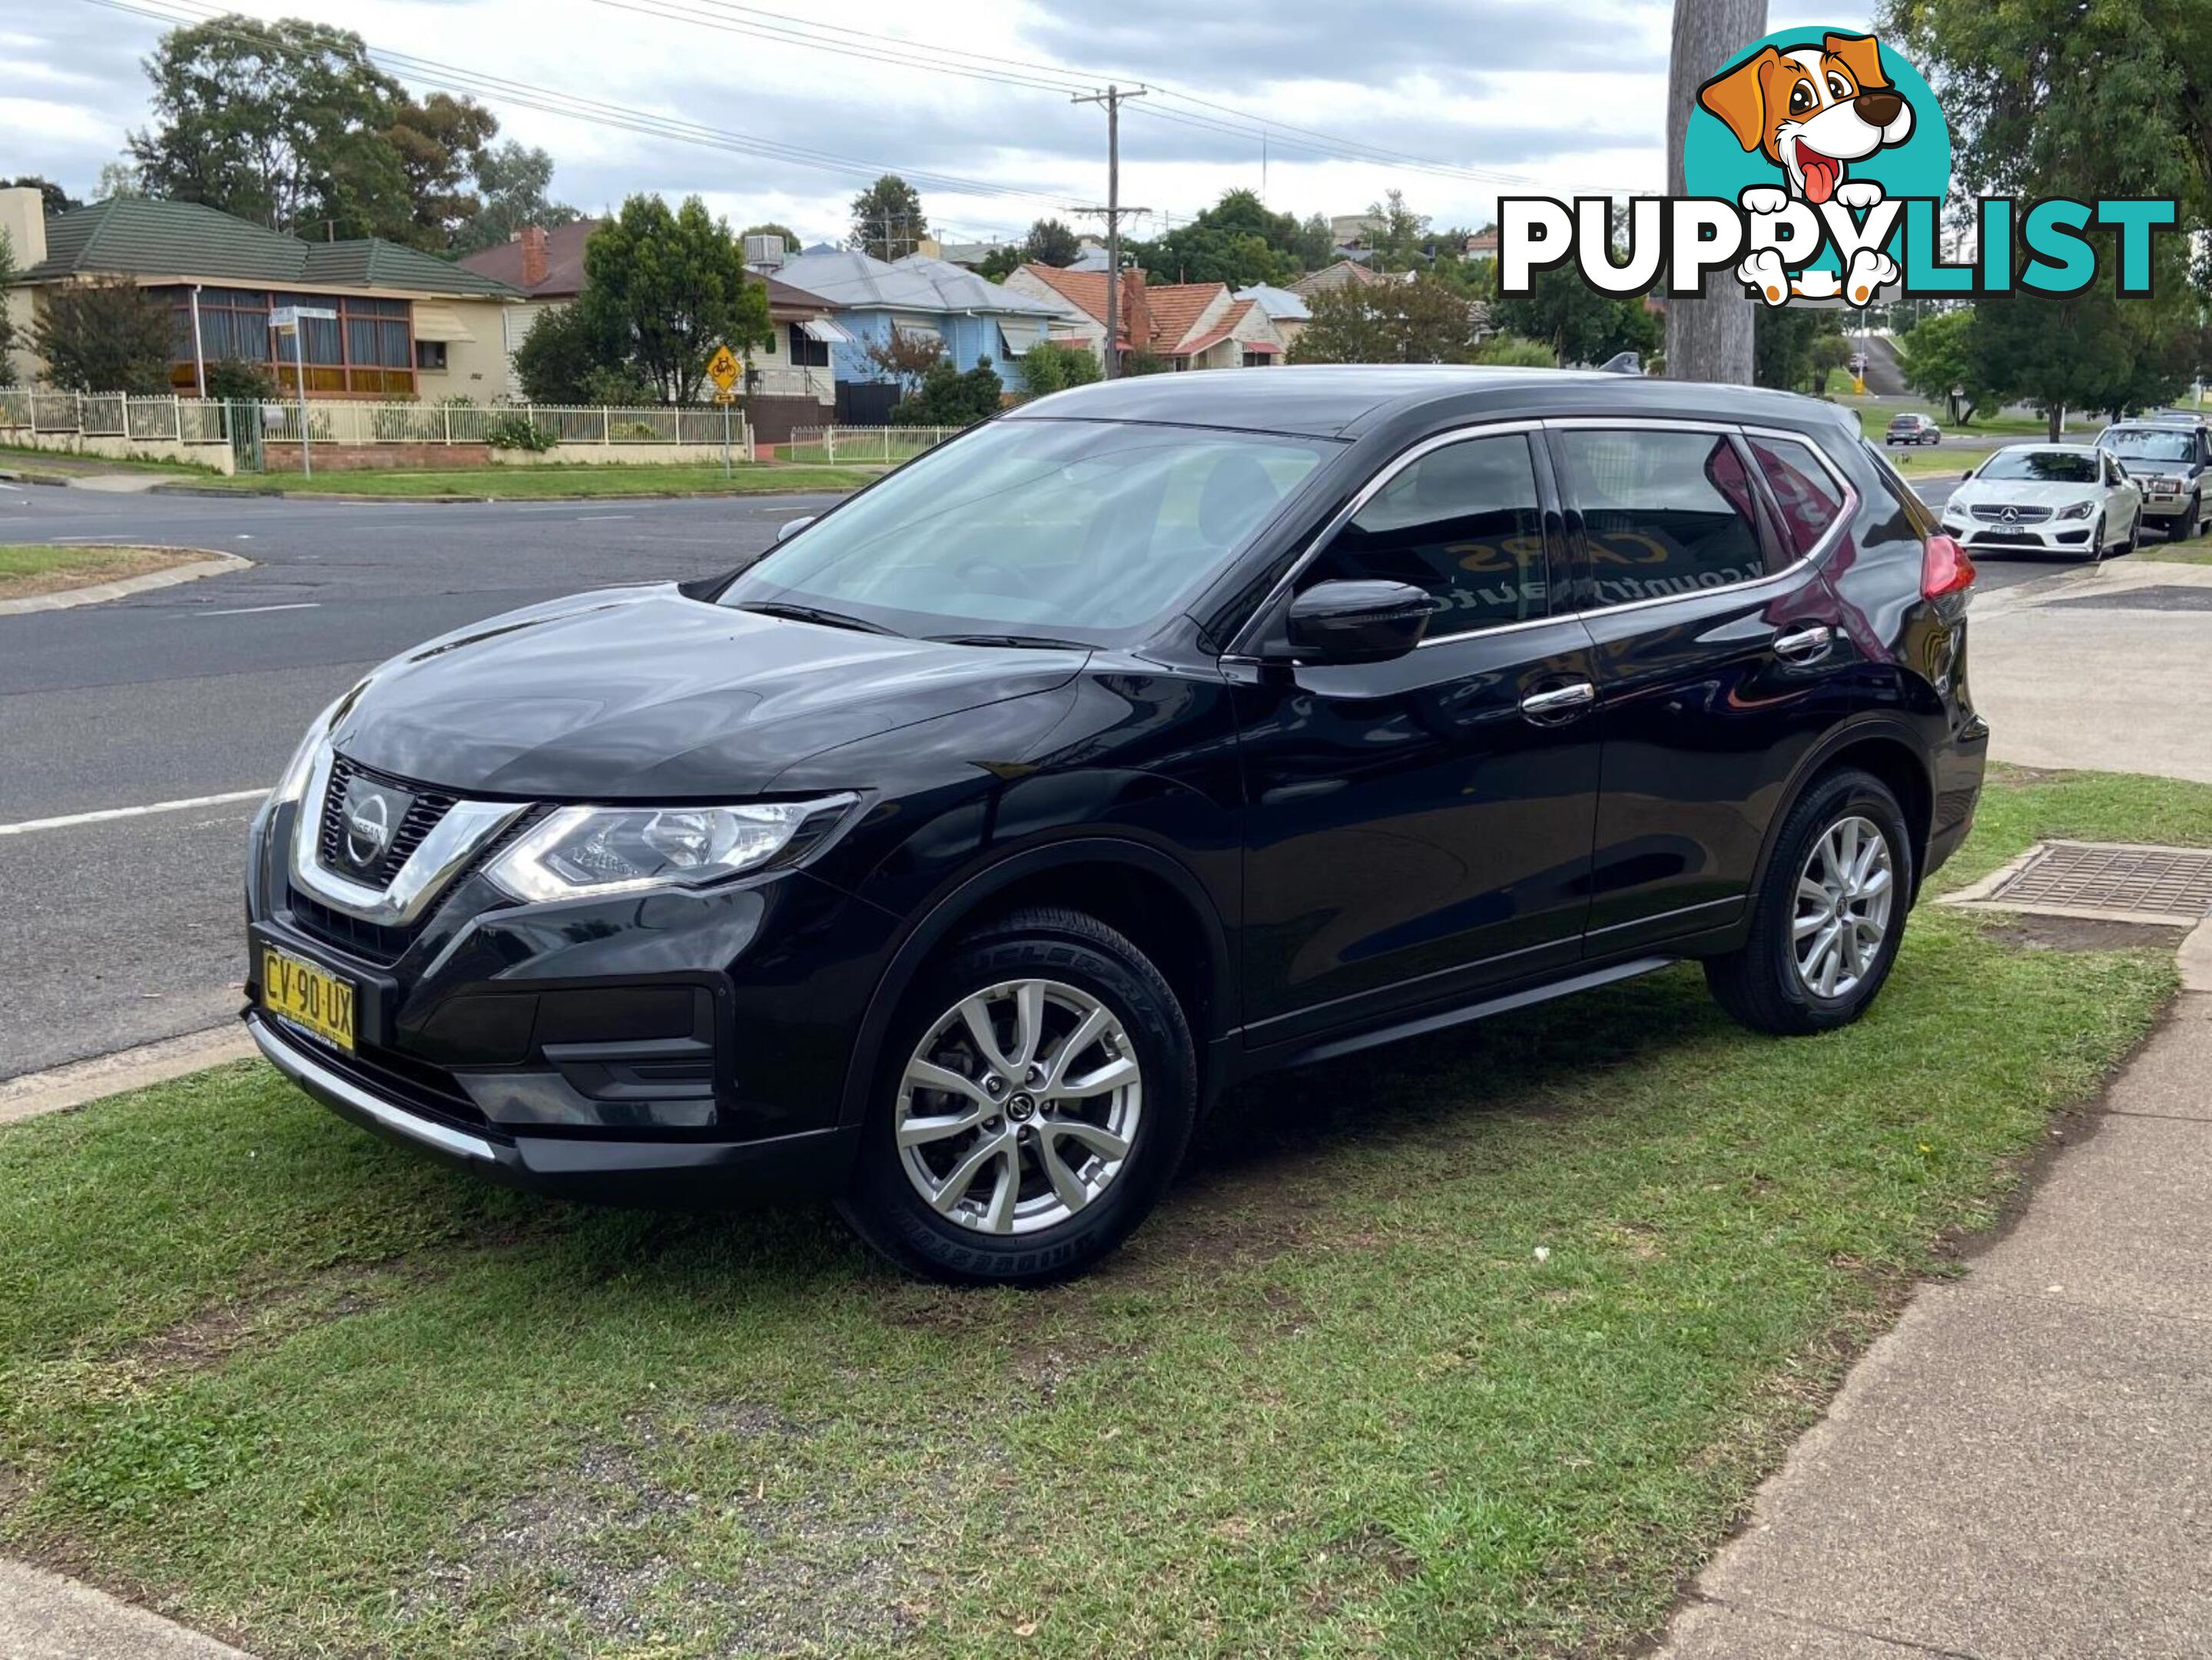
(421, 819)
(1993, 515)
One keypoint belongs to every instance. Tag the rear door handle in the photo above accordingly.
(1559, 702)
(1804, 645)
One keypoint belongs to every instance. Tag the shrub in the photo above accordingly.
(1050, 367)
(517, 431)
(950, 399)
(244, 383)
(105, 337)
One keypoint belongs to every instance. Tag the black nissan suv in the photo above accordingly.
(952, 855)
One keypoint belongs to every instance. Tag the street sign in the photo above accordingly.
(286, 320)
(723, 369)
(290, 317)
(726, 396)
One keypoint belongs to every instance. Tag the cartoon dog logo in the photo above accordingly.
(1813, 110)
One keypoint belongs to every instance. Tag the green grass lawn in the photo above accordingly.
(533, 483)
(1478, 1345)
(41, 568)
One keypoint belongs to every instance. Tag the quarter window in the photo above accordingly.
(1807, 493)
(1664, 513)
(1463, 523)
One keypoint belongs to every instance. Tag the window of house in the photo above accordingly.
(807, 353)
(1464, 523)
(1664, 513)
(429, 354)
(366, 350)
(1810, 499)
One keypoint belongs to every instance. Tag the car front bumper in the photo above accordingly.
(2073, 536)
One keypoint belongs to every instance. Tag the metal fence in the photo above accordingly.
(207, 421)
(836, 445)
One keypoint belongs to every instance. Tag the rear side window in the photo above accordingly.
(1810, 499)
(1463, 523)
(1664, 513)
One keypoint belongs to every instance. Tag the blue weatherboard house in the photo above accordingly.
(972, 317)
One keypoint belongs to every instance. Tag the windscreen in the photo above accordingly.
(1087, 529)
(2041, 467)
(2141, 444)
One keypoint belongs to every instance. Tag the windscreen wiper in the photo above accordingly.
(1020, 642)
(832, 619)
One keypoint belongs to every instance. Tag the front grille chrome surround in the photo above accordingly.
(2018, 515)
(446, 849)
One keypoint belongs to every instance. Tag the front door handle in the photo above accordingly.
(1804, 645)
(1559, 702)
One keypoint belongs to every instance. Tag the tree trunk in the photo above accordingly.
(2055, 417)
(1708, 338)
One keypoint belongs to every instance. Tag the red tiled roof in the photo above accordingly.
(564, 262)
(1259, 348)
(1174, 307)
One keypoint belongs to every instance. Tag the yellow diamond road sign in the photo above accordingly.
(723, 368)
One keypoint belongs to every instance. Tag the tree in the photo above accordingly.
(887, 218)
(7, 317)
(1314, 244)
(513, 182)
(1511, 352)
(1417, 322)
(906, 356)
(1236, 241)
(1051, 242)
(1579, 324)
(58, 200)
(1398, 240)
(663, 290)
(1047, 367)
(946, 398)
(2081, 351)
(282, 123)
(2052, 98)
(117, 179)
(557, 357)
(1709, 336)
(441, 146)
(1794, 347)
(105, 337)
(791, 243)
(1937, 356)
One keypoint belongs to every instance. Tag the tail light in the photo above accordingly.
(1945, 567)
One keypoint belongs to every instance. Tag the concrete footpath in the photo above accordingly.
(44, 1616)
(2020, 1470)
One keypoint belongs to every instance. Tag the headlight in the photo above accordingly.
(2077, 510)
(580, 852)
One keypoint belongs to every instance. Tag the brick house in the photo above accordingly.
(1194, 326)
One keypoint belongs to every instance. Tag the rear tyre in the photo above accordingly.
(1826, 922)
(1036, 1091)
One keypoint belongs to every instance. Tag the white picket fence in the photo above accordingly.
(835, 444)
(64, 414)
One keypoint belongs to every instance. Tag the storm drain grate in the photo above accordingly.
(2101, 880)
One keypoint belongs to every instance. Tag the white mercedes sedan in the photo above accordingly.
(2047, 498)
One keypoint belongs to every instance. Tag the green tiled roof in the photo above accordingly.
(133, 236)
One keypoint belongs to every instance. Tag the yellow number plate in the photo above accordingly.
(307, 996)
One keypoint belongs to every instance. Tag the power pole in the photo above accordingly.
(1113, 98)
(1709, 337)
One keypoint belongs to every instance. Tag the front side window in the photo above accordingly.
(1808, 496)
(1664, 513)
(1081, 529)
(1463, 523)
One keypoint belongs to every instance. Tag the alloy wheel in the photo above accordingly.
(1018, 1106)
(1844, 894)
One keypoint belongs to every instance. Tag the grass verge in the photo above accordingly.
(31, 459)
(42, 568)
(528, 483)
(1474, 1345)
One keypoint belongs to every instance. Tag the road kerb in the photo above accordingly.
(211, 563)
(58, 1089)
(44, 1616)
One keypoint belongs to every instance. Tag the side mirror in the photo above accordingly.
(1966, 475)
(792, 527)
(1358, 622)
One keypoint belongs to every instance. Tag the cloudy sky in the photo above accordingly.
(1324, 104)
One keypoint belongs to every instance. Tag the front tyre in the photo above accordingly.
(1826, 922)
(1037, 1092)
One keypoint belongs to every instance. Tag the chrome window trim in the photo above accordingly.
(452, 841)
(1818, 552)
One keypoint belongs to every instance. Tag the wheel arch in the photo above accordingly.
(1889, 748)
(1133, 887)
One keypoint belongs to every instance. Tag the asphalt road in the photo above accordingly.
(115, 932)
(118, 931)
